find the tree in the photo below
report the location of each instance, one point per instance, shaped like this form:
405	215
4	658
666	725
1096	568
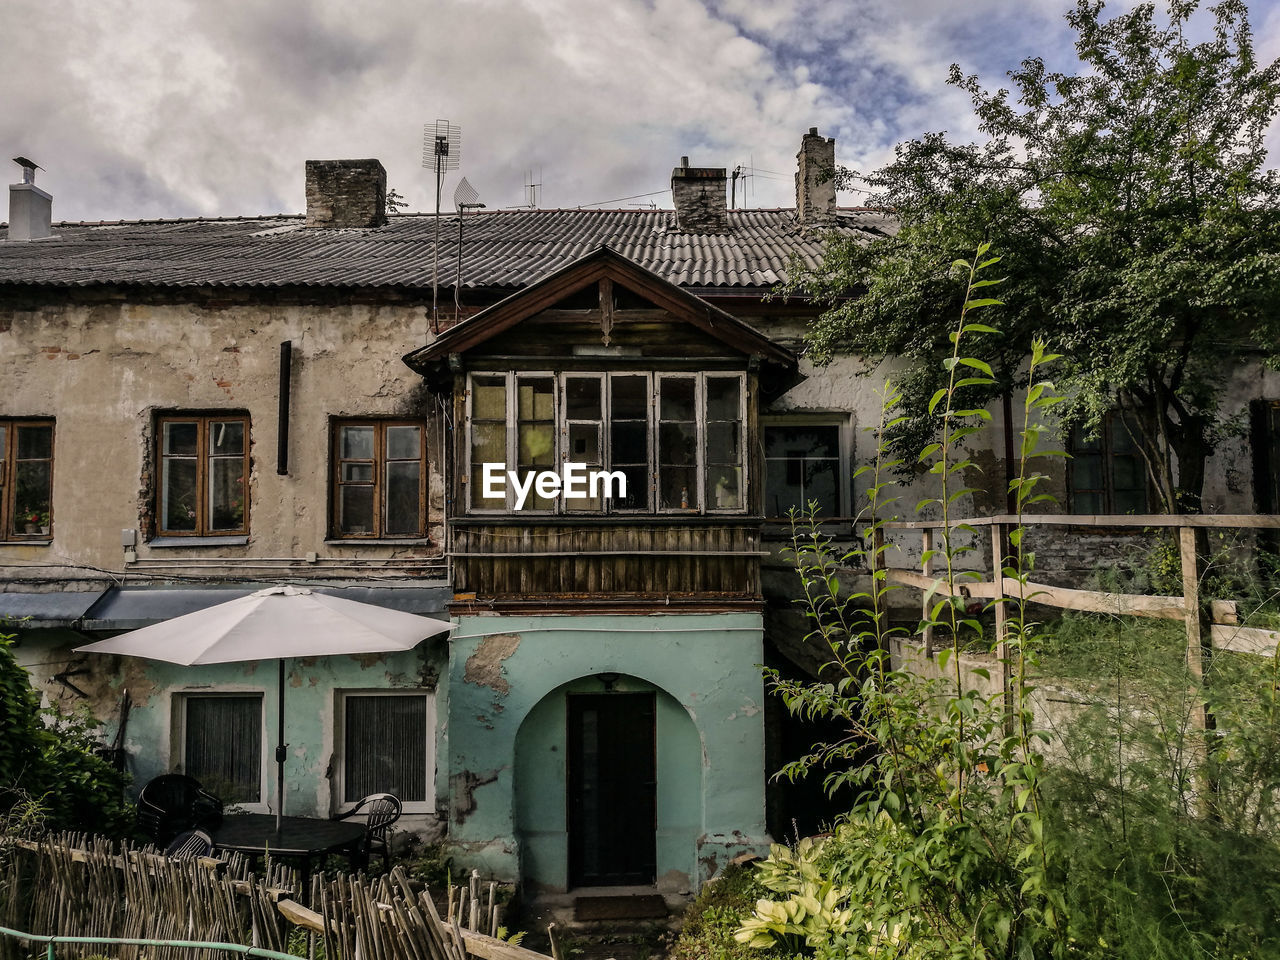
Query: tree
1137	219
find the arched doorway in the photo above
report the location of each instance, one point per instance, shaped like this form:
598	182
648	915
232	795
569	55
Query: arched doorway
608	787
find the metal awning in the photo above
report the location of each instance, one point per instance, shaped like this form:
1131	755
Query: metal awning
128	608
58	609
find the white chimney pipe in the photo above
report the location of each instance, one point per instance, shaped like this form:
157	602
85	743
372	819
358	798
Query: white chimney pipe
30	208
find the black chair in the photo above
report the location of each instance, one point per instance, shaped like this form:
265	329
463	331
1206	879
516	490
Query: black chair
191	844
172	804
379	811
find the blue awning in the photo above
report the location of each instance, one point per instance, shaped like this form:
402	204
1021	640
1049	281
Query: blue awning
59	609
128	608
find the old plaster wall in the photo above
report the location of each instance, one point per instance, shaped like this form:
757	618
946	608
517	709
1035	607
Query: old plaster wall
314	686
105	369
502	667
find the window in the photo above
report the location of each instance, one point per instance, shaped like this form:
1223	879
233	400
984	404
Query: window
388	746
802	464
380	479
26	479
678	439
204	464
1106	472
222	745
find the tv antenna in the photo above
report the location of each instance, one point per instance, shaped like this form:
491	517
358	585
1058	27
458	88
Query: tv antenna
464	198
441	149
532	189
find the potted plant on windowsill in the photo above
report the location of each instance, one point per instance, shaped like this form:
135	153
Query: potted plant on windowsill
36	522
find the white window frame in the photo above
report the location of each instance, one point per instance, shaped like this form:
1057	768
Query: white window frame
340	803
560	456
179	727
843	421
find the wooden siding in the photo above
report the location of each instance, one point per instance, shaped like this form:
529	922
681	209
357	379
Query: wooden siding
649	558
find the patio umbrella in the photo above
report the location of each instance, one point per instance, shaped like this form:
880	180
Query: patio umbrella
275	624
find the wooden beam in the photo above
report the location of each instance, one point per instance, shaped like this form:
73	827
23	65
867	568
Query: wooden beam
1096	601
980	589
1255	521
1244	639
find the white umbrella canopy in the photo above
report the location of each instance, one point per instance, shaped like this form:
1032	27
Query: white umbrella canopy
275	624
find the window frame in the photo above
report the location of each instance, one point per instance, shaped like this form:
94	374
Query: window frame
340	803
843	422
1106	454
380	460
9	527
203	459
512	379
180	724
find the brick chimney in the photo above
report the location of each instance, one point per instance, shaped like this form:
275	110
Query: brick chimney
30	208
346	193
699	196
815	186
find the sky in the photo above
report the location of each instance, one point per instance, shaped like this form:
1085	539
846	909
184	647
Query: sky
140	109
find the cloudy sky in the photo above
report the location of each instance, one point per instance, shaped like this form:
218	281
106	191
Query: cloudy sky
168	108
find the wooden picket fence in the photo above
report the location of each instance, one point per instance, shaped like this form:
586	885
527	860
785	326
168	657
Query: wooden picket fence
78	885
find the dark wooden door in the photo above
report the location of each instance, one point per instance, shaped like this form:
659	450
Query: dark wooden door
612	789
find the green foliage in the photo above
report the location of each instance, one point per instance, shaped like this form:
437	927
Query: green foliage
1137	219
711	922
49	773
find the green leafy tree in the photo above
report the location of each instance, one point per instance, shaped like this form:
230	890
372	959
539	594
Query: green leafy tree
1137	219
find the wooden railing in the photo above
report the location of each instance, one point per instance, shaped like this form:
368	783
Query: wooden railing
1210	623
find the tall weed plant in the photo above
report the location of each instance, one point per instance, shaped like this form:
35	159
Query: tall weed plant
976	832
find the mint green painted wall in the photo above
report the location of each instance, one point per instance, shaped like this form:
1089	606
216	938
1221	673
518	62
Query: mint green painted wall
502	668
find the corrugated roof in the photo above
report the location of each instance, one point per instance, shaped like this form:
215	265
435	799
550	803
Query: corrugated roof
507	248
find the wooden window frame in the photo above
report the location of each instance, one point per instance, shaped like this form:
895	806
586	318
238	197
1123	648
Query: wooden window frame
180	724
203	459
380	459
1106	454
512	379
12	529
341	804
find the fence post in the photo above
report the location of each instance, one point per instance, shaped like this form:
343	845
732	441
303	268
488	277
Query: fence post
1002	619
1199	621
926	568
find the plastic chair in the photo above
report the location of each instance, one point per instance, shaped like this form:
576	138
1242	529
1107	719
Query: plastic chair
380	811
191	844
174	803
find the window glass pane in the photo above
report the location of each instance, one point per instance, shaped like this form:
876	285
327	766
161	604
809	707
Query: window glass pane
178	495
224	746
1131	501
356	443
801	441
582	398
677	443
782	488
723	443
584	443
1086	472
724	487
1087	501
403	502
630	398
637	497
1122	436
537	444
357	473
34	443
32	491
724	398
1082	443
536	398
355	509
385	747
1126	473
226	437
181	439
477	489
489	398
677	488
630	443
822	483
404	443
226	494
488	443
677	398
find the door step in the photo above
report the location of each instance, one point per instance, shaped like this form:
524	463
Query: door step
650	906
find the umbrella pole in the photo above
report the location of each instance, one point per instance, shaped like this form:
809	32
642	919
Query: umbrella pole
281	748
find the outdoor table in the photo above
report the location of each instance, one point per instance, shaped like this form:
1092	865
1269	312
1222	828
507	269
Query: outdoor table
299	838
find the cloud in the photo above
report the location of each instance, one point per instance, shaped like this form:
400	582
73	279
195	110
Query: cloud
144	108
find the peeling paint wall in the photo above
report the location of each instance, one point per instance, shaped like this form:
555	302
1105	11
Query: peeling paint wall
104	370
706	666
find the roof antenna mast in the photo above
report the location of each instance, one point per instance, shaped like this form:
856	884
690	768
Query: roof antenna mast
464	198
441	149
